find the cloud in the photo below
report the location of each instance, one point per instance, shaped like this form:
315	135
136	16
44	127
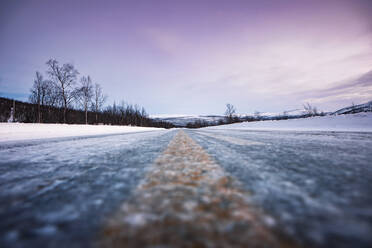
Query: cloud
168	42
363	81
357	89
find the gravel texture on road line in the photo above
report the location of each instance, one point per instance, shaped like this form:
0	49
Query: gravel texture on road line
187	200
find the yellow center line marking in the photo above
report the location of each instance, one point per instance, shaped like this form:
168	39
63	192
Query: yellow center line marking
187	200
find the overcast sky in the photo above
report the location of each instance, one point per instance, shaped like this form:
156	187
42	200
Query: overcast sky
193	57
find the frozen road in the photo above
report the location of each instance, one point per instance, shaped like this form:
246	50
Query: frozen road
316	186
57	193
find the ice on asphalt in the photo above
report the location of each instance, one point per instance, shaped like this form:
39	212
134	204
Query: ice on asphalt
70	184
315	182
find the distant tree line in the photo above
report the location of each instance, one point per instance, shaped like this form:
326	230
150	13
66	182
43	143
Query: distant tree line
28	113
62	98
230	117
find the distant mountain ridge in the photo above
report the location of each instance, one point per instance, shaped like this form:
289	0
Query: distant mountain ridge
183	120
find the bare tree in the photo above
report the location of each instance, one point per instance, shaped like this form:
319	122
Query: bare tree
64	77
98	99
310	110
52	97
85	94
353	107
39	93
230	111
143	115
12	113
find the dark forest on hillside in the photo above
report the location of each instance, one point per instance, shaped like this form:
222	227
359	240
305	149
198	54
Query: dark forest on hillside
112	115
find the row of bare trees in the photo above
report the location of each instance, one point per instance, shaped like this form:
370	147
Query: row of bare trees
311	110
62	90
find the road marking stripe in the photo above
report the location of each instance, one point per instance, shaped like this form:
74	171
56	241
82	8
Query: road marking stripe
187	200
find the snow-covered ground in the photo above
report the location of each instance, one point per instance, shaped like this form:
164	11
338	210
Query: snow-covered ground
361	122
294	112
30	131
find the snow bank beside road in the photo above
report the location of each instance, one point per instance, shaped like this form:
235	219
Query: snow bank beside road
28	131
361	122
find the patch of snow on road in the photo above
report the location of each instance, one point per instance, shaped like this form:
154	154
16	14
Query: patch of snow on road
233	140
361	122
29	131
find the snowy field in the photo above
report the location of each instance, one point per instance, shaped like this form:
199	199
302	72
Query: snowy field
30	131
361	122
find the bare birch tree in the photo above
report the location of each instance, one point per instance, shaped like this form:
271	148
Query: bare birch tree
230	111
98	99
64	77
39	94
85	94
52	97
310	110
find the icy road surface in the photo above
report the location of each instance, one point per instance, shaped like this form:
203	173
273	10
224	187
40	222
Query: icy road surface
57	193
316	185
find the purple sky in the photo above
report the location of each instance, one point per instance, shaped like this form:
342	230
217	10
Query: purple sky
192	57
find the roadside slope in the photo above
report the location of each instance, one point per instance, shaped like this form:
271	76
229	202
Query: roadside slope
361	122
30	131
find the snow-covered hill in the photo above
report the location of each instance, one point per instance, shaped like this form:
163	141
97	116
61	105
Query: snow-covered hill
365	107
360	122
183	120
